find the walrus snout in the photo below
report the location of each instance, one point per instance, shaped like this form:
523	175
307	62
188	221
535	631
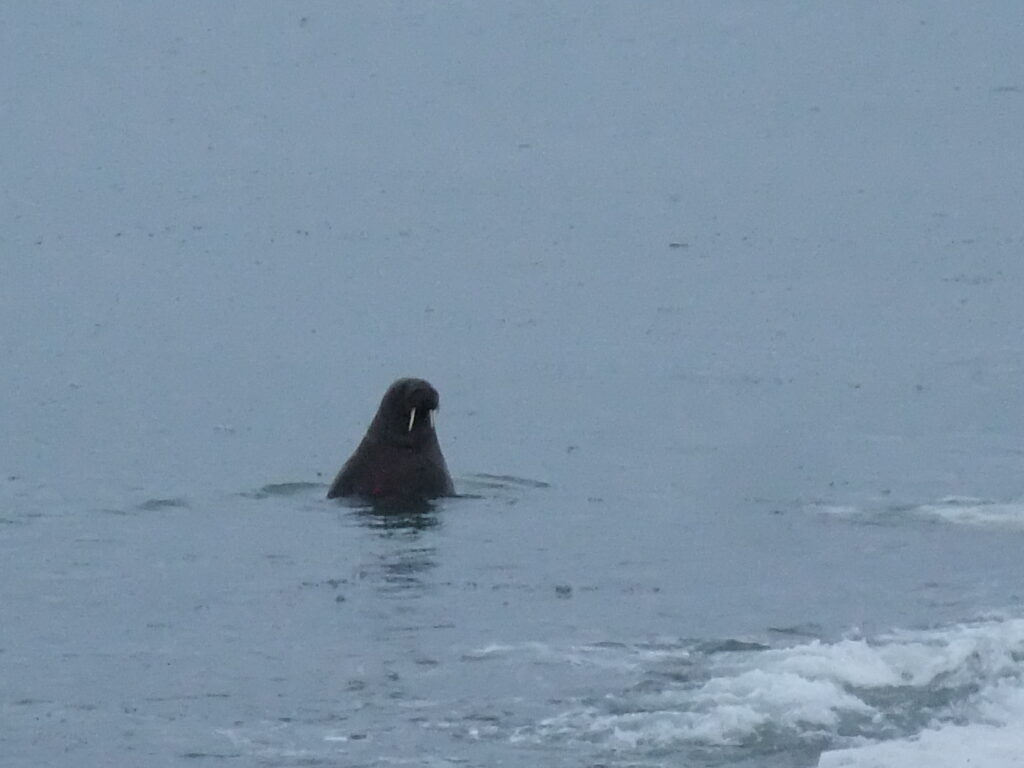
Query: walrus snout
419	401
424	397
420	411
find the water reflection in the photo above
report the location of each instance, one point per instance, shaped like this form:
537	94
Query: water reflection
397	515
400	570
398	556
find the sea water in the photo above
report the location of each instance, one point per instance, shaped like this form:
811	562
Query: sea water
514	628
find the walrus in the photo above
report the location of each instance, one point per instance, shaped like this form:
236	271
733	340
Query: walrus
399	456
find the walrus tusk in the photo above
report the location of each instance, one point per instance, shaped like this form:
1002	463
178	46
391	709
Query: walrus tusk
412	418
430	415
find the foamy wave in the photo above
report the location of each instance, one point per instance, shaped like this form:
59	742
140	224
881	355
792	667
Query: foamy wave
861	698
958	510
949	747
994	739
968	511
732	711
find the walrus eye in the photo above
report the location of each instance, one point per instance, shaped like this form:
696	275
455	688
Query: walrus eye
412	418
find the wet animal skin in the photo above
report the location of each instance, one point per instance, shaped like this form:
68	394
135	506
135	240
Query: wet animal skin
399	456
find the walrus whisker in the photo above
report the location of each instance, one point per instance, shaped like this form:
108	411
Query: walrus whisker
412	418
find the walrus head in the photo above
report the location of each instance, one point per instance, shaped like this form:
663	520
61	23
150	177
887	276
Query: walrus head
406	413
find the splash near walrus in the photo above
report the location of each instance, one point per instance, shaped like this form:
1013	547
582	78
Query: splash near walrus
399	456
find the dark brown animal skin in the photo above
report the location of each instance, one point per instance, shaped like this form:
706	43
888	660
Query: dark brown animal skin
393	461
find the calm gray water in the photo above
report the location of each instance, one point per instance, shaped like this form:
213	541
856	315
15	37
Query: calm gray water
723	301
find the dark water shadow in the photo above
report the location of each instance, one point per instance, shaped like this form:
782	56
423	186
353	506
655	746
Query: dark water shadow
800	631
391	514
283	490
484	485
396	514
729	645
487	481
155	505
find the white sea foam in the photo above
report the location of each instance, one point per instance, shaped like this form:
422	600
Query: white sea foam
946	747
992	736
897	697
957	510
980	512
